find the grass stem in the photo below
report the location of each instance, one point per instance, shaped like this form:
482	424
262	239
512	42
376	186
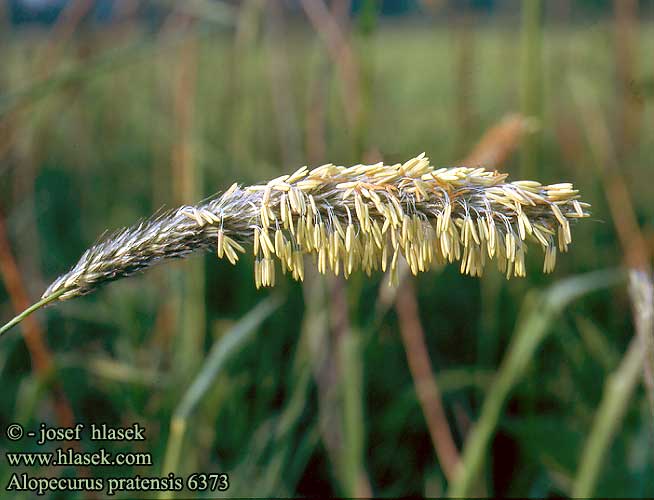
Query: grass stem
429	394
34	307
538	313
214	363
617	394
531	84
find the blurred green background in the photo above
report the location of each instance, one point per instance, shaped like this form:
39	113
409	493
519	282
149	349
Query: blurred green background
536	387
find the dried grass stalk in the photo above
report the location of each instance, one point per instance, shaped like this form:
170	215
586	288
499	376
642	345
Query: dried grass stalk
361	217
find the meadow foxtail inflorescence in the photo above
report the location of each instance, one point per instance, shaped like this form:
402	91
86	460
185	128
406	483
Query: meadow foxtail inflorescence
361	217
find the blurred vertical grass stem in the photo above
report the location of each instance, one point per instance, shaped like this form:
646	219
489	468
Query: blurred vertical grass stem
619	387
531	87
220	353
538	312
352	381
188	178
635	248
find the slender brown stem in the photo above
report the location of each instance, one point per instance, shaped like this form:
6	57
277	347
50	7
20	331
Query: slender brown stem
32	332
279	76
630	104
188	180
38	350
428	392
327	27
621	206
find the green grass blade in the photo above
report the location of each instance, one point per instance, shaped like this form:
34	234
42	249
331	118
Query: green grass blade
538	312
617	392
619	388
353	428
220	352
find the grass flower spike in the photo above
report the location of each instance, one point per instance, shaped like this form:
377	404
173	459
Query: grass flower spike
360	217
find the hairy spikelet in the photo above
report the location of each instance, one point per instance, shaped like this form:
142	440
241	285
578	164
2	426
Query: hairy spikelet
361	217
